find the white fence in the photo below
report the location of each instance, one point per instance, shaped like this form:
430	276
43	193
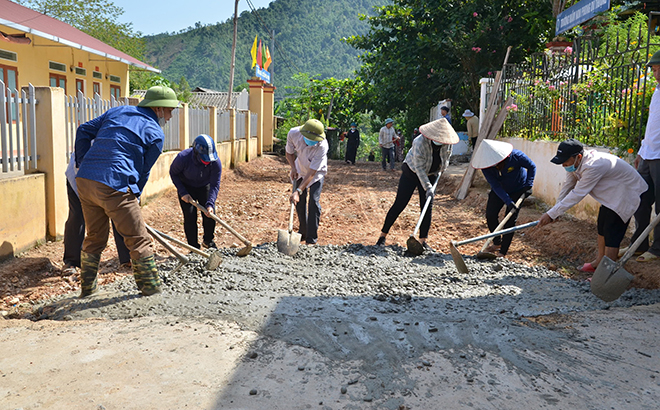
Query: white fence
18	126
199	122
223	126
80	109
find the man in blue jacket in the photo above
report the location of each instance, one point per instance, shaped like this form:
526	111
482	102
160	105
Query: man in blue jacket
196	174
112	173
510	174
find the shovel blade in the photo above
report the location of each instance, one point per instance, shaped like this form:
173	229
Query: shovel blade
458	259
288	242
215	259
610	280
414	246
245	251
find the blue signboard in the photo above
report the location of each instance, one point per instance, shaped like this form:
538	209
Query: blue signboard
581	12
261	73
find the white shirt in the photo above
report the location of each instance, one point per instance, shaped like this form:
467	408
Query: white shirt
307	157
650	148
608	179
385	137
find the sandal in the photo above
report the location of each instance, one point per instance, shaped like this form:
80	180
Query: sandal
492	248
622	251
587	267
647	257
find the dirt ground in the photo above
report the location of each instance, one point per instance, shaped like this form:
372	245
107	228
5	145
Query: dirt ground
355	199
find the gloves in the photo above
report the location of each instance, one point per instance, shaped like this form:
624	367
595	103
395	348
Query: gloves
514	208
430	193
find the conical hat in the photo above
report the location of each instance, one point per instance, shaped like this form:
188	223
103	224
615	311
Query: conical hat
490	153
439	131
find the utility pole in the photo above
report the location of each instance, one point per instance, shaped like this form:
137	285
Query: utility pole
272	47
233	57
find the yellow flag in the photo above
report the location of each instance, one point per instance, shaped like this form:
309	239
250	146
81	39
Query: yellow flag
253	52
268	59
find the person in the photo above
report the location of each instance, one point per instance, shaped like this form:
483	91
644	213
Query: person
307	155
472	127
510	174
196	173
352	144
74	228
386	138
371	157
398	147
127	141
647	164
428	157
609	180
444	111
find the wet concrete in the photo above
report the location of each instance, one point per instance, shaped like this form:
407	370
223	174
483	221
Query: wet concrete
378	319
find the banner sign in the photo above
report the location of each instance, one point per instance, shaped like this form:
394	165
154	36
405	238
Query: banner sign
579	13
261	73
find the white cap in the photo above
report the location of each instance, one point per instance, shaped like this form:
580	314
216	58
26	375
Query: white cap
439	131
490	153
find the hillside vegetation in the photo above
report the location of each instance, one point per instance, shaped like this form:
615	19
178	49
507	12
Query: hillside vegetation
309	32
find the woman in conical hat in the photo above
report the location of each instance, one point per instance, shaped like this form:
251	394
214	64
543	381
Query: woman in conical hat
510	174
428	156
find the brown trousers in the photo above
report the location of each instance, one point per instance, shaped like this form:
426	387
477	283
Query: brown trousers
100	203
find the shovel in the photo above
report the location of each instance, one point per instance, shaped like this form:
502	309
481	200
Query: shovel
214	259
458	258
611	279
488	255
288	242
248	245
182	259
414	246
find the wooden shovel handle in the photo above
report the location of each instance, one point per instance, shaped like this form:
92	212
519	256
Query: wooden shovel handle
167	245
223	223
504	221
426	205
182	244
632	248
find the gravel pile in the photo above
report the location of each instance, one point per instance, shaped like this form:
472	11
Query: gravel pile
381	274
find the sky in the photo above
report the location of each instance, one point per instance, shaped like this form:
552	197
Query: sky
159	16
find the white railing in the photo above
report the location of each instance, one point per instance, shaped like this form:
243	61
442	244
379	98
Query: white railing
199	122
171	131
223	126
18	126
254	117
80	109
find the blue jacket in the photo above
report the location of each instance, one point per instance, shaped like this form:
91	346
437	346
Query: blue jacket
127	143
518	173
188	170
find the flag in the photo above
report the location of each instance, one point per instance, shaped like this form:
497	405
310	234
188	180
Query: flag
268	59
263	56
253	52
259	62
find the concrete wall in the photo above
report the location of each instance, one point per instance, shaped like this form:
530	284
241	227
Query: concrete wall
23	207
240	152
549	177
253	148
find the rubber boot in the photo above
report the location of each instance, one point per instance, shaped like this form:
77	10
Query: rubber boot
89	268
146	275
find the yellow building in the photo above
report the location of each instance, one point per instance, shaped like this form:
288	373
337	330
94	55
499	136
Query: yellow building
43	51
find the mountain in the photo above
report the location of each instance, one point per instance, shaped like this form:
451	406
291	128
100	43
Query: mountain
308	37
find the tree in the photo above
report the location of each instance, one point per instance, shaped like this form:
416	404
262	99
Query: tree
419	52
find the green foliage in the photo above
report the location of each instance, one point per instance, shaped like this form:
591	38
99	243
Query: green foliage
182	90
419	52
309	33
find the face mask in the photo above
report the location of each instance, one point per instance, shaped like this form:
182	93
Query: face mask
310	142
436	142
571	168
162	121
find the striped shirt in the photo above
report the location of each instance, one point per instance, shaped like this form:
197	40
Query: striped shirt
420	159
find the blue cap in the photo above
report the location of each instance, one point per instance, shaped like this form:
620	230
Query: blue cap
389	120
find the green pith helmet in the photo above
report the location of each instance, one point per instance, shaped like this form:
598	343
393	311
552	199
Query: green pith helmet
160	96
313	130
655	59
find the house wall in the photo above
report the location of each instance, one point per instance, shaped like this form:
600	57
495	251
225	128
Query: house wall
33	65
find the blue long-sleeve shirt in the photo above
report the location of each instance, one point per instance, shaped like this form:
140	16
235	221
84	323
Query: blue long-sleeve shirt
187	169
127	143
518	173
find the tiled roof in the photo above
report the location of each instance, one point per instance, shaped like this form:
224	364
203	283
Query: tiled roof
27	20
